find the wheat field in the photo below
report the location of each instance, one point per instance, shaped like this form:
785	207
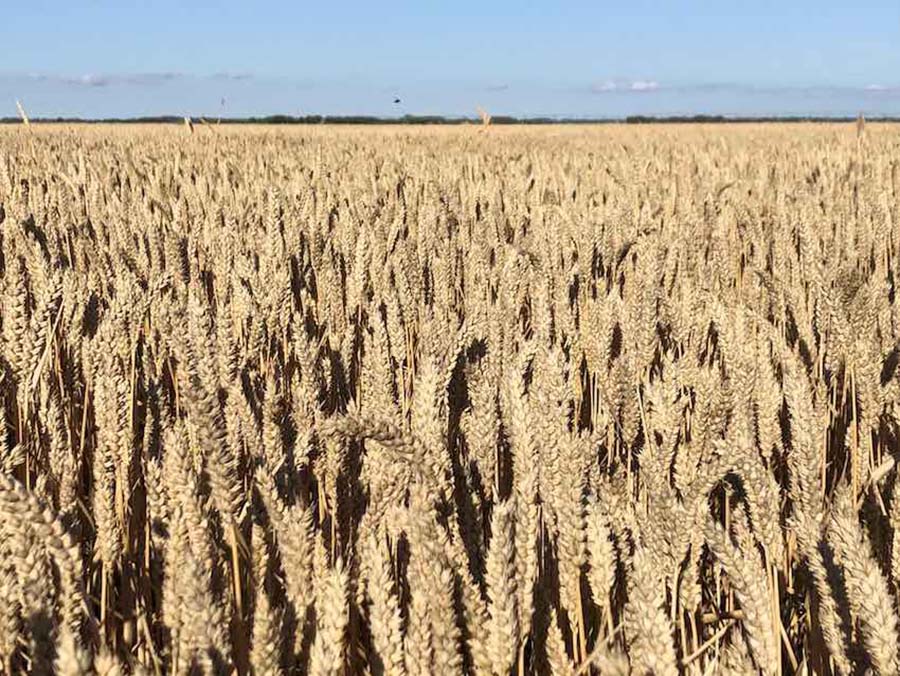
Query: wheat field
395	400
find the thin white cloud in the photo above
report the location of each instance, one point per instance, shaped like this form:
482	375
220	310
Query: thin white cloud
644	85
149	79
882	89
640	86
620	85
88	80
226	75
607	86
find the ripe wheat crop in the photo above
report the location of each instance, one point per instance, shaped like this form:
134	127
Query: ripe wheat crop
543	400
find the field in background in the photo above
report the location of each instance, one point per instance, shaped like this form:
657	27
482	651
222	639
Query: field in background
399	400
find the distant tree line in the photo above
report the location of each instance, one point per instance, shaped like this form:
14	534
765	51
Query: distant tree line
716	119
439	119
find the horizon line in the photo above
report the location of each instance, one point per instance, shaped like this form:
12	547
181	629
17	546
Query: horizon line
282	119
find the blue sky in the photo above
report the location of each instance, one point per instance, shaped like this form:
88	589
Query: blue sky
593	59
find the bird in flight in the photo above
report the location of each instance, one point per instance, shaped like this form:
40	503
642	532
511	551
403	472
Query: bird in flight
396	100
